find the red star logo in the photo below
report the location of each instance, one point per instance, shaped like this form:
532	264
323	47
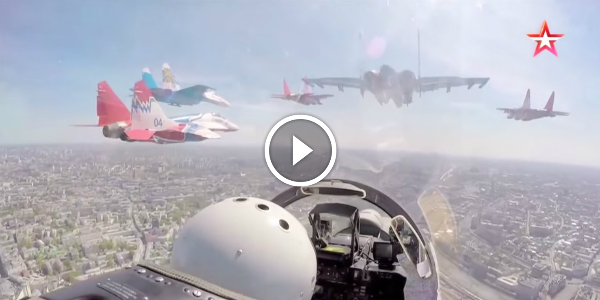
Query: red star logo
545	40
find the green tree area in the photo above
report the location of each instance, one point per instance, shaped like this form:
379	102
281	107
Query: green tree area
122	245
164	221
9	212
71	276
56	241
143	219
25	243
71	224
175	215
39	261
107	245
37	210
111	260
68	264
41	255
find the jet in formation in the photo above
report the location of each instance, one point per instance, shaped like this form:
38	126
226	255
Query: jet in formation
526	113
172	94
387	84
147	121
307	97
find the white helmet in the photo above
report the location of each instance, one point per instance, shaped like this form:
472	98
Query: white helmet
249	246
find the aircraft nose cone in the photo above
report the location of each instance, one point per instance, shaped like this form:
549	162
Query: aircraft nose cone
216	99
223	102
233	127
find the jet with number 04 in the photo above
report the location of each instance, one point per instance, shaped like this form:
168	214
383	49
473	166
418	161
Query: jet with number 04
147	121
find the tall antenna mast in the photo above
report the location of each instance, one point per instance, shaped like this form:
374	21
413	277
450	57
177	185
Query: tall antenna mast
419	59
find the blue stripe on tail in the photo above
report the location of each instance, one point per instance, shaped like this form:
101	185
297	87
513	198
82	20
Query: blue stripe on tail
149	80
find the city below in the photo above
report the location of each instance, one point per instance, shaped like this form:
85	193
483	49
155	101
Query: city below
502	230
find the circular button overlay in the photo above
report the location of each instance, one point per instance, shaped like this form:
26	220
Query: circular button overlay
300	150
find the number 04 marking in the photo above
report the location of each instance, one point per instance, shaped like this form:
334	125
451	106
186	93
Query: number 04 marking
157	122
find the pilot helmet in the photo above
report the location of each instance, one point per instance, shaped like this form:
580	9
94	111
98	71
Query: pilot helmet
249	246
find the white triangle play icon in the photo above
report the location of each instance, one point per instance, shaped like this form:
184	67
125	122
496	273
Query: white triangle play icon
299	150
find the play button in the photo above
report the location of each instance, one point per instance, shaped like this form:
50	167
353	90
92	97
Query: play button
300	150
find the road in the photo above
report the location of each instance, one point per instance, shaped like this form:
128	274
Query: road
443	226
138	228
463	280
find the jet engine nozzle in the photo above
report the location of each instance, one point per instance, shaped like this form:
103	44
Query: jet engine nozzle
386	71
113	131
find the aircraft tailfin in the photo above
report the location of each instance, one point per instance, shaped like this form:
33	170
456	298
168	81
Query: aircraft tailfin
168	80
145	111
527	102
550	104
109	108
306	89
286	88
148	79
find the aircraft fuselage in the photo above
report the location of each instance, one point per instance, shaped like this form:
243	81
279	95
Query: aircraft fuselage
176	137
529	114
167	137
305	99
212	121
387	84
188	97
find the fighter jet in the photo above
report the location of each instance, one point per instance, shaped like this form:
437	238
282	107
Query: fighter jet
526	113
212	121
307	97
387	84
188	96
148	123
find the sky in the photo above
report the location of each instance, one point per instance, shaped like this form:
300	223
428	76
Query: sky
50	64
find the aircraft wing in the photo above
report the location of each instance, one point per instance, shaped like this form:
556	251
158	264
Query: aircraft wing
506	110
319	97
140	134
211	125
428	84
196	129
560	113
339	82
190	95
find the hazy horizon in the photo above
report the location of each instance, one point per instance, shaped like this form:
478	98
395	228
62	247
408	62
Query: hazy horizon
346	153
